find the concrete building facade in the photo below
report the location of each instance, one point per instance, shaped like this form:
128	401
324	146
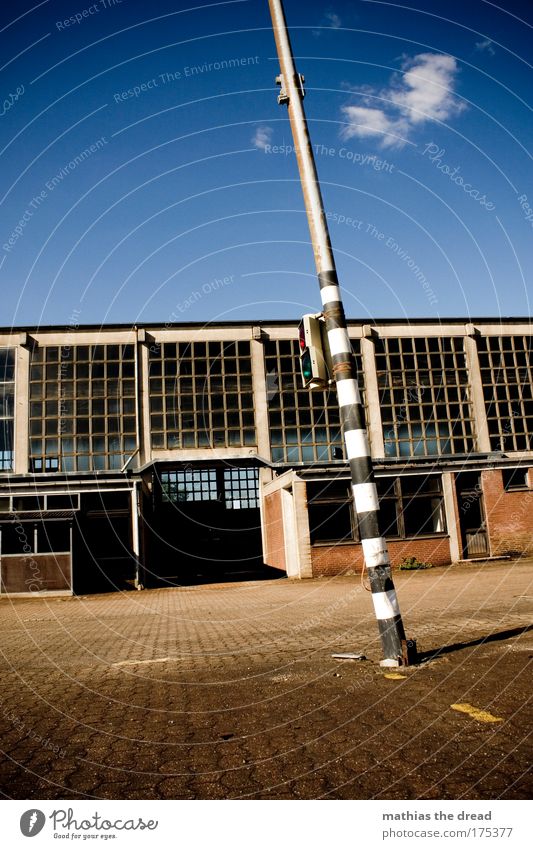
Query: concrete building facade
167	455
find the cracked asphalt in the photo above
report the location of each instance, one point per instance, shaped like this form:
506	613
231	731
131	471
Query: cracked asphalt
230	691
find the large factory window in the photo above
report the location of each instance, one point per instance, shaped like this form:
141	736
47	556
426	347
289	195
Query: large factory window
304	425
201	395
7	406
424	396
506	364
82	407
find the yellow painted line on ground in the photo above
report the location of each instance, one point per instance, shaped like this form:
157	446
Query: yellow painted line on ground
476	713
395	676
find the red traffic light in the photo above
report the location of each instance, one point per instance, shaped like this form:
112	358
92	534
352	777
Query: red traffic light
301	337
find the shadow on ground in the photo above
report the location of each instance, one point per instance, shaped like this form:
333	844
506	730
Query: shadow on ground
424	657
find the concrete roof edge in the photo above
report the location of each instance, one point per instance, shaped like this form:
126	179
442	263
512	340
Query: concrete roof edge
285	322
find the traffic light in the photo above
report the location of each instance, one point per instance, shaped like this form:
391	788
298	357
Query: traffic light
312	359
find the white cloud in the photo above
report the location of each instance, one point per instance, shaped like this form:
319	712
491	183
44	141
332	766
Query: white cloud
421	92
262	137
333	20
425	91
485	46
365	122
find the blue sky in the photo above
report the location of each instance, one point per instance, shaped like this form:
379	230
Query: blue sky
146	171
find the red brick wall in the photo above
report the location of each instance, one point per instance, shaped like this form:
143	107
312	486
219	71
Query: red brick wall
342	559
509	516
274	536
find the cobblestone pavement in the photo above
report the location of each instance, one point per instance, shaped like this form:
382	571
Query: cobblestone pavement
230	691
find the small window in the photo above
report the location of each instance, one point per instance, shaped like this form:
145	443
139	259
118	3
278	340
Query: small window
107	501
17	538
331	514
515	478
53	537
423	516
28	503
7	364
331	522
62	502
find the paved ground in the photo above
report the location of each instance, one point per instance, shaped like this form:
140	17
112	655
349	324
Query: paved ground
230	691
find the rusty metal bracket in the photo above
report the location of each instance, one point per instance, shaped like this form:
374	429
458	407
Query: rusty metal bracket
341	370
283	96
333	313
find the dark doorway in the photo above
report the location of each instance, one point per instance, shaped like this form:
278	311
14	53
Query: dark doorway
206	527
474	537
103	558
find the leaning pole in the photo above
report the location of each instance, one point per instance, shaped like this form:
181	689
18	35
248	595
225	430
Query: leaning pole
375	552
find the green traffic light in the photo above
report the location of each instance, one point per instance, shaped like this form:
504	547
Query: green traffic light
306	365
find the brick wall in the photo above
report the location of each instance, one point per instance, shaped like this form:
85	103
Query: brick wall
509	524
509	516
274	536
345	559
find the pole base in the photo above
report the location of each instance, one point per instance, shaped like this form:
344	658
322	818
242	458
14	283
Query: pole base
408	657
390	662
409	652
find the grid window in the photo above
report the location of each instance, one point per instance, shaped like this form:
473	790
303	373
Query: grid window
304	424
201	395
506	364
82	407
241	488
236	488
189	485
424	396
7	407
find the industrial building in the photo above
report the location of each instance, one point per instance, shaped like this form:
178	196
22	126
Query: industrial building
167	455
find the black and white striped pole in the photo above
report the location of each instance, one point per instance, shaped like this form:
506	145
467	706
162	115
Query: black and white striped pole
364	490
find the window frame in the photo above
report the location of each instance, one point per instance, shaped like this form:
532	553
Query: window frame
83	406
506	370
424	396
303	424
7	464
323	499
399	497
509	474
31	535
74	496
201	395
